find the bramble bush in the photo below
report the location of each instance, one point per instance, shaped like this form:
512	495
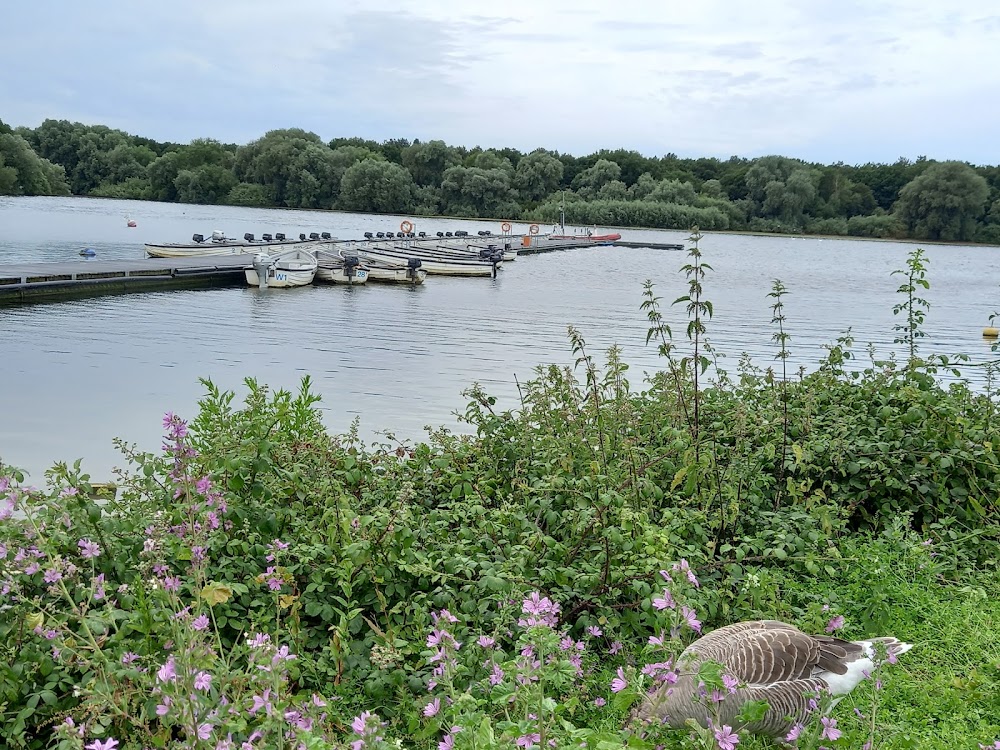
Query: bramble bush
262	583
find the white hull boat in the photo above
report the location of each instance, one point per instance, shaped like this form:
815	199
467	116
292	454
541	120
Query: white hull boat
296	267
219	244
445	262
214	245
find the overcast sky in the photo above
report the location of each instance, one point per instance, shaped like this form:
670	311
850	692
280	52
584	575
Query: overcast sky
823	80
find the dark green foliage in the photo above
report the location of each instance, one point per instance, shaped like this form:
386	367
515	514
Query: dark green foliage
783	494
295	168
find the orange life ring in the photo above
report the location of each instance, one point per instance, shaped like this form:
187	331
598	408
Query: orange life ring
406	227
506	227
533	229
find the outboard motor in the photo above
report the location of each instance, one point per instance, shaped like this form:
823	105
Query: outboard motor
218	236
485	253
487	233
248	237
369	235
440	234
481	233
325	235
410	235
351	263
380	235
301	236
313	236
279	236
412	266
421	234
447	234
267	238
400	235
198	237
261	264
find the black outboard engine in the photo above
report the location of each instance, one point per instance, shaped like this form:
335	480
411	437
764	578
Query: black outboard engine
326	235
380	235
487	233
412	265
485	253
421	234
267	238
279	236
351	263
368	235
400	235
410	234
440	234
198	237
447	234
301	236
248	237
313	236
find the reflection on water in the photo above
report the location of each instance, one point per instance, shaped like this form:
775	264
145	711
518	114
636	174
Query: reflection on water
75	374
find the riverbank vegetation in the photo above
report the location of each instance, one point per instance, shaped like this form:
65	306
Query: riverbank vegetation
293	168
261	583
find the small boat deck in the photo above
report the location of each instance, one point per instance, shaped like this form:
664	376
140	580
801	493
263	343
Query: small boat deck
69	279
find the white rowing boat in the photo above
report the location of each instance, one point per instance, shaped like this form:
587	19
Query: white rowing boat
295	267
340	269
433	260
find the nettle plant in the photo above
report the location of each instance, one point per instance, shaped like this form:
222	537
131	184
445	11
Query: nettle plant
124	606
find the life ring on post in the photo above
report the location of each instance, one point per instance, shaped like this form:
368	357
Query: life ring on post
533	229
506	227
406	227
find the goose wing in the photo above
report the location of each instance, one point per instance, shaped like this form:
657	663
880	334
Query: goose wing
766	652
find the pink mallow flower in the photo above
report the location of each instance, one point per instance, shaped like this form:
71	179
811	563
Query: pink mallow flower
726	738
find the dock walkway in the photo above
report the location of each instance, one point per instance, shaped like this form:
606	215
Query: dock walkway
29	282
70	279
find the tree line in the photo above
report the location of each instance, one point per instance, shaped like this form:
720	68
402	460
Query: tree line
921	199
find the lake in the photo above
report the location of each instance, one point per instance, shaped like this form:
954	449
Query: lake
76	374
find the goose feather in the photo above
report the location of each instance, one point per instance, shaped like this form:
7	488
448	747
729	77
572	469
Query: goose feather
774	662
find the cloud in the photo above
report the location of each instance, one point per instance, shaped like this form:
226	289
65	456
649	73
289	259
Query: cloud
830	79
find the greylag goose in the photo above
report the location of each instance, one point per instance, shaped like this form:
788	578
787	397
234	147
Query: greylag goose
773	662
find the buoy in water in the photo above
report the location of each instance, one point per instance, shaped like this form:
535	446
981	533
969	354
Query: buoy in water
130	222
88	252
991	333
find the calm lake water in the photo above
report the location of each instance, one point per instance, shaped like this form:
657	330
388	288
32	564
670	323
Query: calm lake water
76	374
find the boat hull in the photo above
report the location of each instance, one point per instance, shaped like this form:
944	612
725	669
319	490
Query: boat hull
290	269
335	275
206	249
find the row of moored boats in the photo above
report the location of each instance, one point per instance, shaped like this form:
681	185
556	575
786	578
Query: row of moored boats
401	258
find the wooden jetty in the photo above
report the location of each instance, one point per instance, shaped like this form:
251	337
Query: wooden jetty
38	282
76	278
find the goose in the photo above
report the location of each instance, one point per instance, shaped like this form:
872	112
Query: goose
774	662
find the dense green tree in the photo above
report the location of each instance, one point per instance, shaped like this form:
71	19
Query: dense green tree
642	187
782	189
206	184
294	165
538	175
592	179
944	203
471	191
673	191
427	162
886	180
616	190
23	172
490	159
377	187
248	194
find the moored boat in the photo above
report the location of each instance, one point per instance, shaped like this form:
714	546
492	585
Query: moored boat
340	269
215	244
435	260
295	267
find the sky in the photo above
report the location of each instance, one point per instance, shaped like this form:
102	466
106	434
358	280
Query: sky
828	81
